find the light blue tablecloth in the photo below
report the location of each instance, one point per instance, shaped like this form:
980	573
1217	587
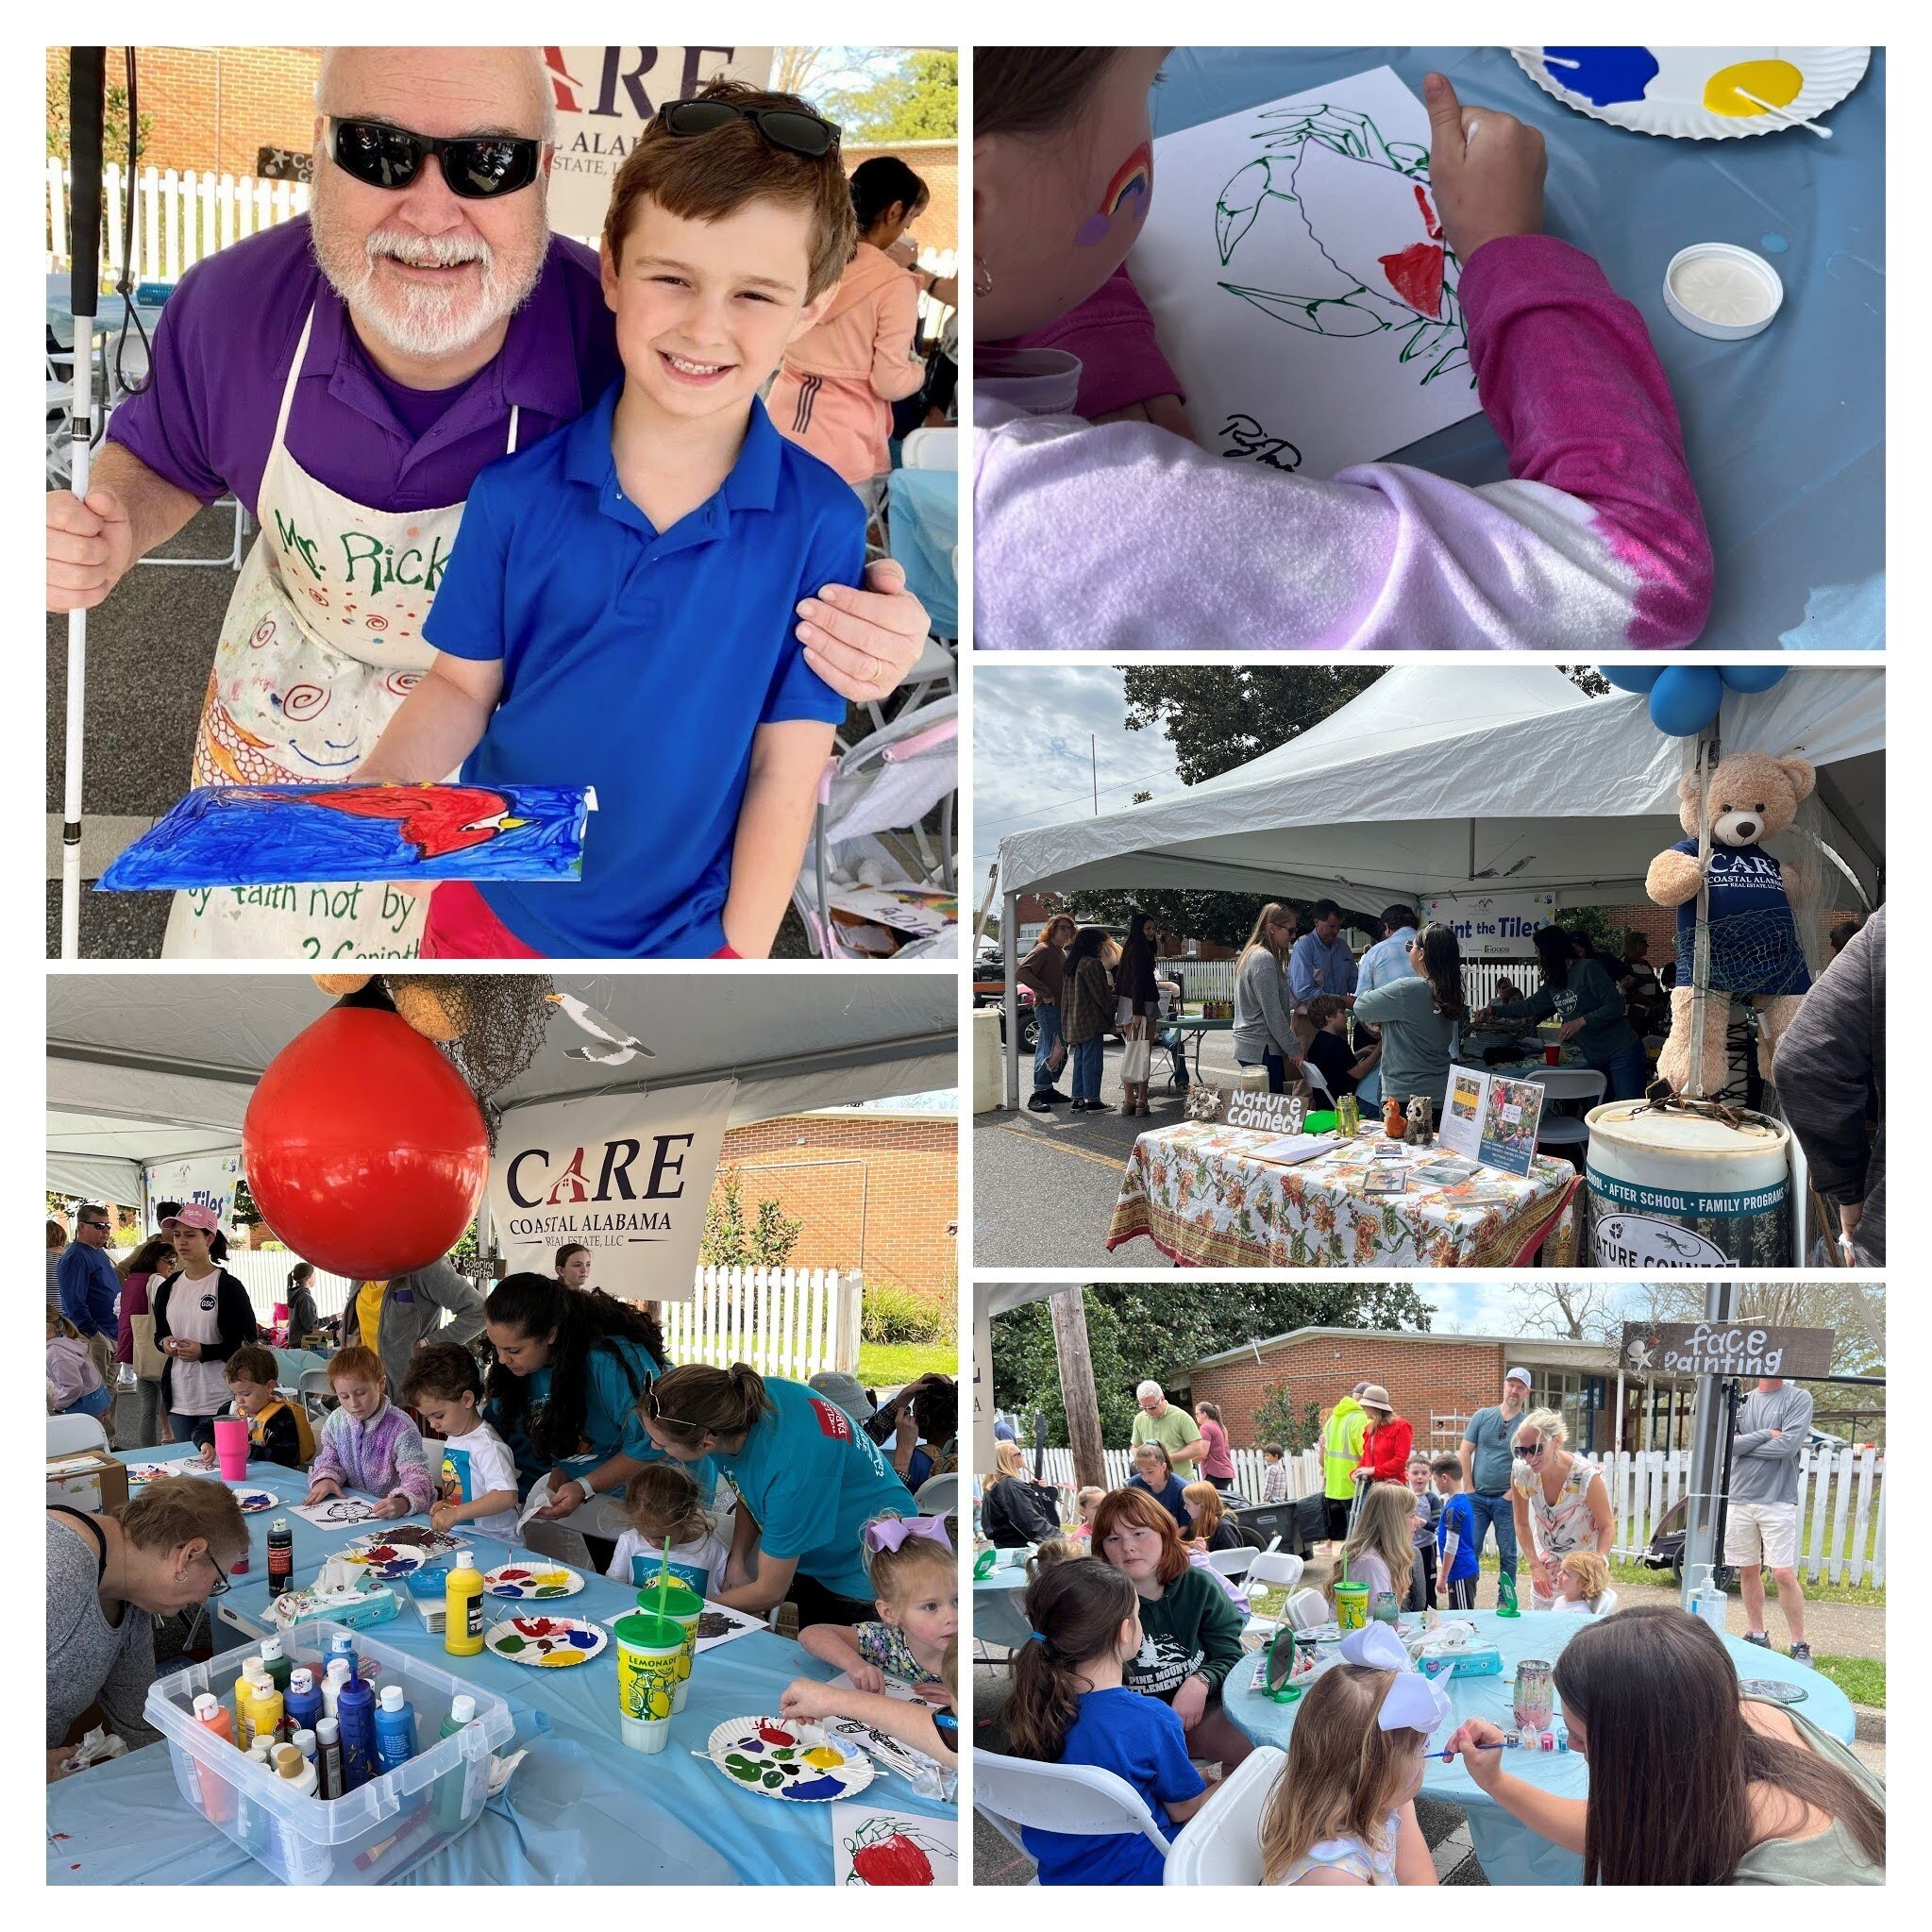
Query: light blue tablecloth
1785	431
581	1808
923	519
1510	1852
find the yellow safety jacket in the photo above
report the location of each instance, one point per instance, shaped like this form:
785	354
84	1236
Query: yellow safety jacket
1341	1448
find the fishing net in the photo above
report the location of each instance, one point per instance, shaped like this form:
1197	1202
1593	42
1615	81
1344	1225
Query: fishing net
498	1020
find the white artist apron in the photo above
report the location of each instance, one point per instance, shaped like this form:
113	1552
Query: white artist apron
196	1389
322	640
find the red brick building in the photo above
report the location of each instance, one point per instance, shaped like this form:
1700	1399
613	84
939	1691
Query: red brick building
1436	1382
876	1191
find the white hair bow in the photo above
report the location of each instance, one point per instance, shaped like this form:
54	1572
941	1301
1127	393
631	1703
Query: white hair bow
1414	1702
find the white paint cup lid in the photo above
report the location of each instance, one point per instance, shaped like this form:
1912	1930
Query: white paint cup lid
1722	251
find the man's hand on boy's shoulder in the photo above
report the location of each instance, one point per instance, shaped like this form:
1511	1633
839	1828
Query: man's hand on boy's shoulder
863	642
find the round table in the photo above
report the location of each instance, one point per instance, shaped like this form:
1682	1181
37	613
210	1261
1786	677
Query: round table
1508	1851
996	1613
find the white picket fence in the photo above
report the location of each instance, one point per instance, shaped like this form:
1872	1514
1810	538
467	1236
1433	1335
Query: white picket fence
178	217
1303	1467
790	1322
1841	1507
1214	979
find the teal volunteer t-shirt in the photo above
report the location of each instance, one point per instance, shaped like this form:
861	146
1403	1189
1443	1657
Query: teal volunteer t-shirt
812	1479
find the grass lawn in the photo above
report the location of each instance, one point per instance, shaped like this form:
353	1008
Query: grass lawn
891	1365
1863	1679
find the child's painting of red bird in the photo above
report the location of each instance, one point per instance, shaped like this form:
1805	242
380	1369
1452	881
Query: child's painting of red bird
436	819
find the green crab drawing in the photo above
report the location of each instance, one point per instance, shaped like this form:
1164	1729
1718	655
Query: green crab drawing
1398	275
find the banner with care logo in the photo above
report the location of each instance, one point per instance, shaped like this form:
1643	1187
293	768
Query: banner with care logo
628	1175
1493	925
206	1178
604	98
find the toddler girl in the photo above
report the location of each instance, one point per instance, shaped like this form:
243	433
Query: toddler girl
1343	1809
670	1524
1071	1706
368	1443
1088	1501
74	1384
914	1579
1124	533
1585	1579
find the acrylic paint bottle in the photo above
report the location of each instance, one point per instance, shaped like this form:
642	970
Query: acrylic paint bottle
447	1797
281	1558
217	1789
269	1713
342	1643
277	1666
340	1671
304	1861
463	1607
302	1700
243	1691
290	1764
252	1823
304	1741
356	1712
328	1757
395	1729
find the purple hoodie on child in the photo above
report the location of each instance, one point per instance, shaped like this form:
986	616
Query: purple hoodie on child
384	1455
1097	537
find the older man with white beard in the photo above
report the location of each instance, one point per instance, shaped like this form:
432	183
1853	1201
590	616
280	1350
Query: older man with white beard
348	375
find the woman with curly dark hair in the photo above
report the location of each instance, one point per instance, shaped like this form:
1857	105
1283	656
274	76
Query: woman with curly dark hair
567	1367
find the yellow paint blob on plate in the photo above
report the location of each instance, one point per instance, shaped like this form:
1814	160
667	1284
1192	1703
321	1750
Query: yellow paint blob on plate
823	1757
558	1660
1776	81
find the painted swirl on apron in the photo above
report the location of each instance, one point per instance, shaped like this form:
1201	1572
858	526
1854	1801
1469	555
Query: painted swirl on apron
322	640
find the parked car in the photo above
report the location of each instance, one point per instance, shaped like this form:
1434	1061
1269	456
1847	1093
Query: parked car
989	989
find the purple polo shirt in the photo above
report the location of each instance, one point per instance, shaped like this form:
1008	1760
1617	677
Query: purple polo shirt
226	337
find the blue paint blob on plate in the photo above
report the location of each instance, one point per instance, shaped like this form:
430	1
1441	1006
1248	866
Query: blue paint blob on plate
1604	75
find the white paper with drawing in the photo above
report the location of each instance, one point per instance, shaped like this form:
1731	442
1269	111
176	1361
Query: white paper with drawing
1298	281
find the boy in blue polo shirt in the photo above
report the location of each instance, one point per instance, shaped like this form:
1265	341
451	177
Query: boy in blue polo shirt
619	607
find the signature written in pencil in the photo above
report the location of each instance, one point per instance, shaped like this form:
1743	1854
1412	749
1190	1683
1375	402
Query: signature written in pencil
1248	439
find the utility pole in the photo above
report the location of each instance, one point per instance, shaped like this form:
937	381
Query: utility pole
1077	1395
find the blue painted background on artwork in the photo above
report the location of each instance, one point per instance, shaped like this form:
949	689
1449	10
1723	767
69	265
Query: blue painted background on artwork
293	834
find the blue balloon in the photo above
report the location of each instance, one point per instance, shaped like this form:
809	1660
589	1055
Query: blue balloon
1685	699
1637	678
1750	677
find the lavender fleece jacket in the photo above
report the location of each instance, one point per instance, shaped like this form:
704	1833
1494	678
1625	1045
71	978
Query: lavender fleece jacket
1122	535
384	1456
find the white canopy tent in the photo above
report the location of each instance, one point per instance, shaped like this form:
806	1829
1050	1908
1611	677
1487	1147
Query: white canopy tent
141	1067
1445	778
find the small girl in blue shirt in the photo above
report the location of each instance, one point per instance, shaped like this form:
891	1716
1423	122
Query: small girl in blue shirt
1071	1706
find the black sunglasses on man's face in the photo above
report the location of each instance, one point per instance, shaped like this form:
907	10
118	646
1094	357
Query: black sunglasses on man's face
476	167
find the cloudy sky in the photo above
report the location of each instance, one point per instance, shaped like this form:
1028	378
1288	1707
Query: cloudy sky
1037	732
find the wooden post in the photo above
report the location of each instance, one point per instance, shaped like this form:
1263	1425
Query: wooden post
1077	1387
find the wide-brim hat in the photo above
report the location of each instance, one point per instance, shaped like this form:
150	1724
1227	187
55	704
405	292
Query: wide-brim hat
1376	1397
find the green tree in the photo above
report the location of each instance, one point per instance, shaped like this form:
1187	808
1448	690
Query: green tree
765	1240
1136	1331
1277	1419
918	99
113	121
1217	716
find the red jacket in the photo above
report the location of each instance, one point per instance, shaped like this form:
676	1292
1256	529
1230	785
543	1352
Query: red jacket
1386	1451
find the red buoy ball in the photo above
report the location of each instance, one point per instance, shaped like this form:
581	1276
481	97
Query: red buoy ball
363	1147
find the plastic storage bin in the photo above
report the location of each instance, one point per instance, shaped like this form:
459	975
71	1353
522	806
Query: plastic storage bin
373	1832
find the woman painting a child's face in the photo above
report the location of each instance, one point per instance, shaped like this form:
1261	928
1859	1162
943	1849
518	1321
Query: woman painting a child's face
1056	209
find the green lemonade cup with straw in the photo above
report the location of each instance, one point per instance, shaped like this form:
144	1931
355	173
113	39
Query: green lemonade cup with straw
1352	1606
669	1599
649	1649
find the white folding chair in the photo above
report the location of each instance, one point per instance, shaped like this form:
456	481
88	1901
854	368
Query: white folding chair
1233	1563
71	1435
1077	1799
937	1495
1605	1603
316	1392
930	449
1567	1084
1221	1844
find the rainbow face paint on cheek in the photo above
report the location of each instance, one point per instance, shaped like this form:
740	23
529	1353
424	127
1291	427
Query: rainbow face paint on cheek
1126	196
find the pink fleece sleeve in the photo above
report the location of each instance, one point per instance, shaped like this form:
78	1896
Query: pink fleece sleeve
895	375
1113	334
1566	371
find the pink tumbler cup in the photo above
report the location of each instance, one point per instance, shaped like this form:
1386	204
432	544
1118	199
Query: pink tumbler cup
231	1447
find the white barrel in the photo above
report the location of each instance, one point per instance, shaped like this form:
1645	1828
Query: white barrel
1670	1189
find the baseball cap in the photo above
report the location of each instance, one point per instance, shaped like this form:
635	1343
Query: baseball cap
1521	1375
194	1216
846	1392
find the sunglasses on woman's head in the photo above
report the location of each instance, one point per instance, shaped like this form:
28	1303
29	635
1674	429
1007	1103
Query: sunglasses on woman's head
797	131
476	167
657	1415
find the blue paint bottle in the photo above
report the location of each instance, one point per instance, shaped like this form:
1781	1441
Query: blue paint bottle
355	1710
302	1700
395	1729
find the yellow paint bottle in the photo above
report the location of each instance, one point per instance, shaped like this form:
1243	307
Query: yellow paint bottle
463	1607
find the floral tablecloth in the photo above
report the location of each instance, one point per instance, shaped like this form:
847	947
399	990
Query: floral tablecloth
1193	1190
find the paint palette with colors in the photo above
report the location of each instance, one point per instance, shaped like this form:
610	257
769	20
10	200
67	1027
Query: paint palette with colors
252	1501
381	1558
1697	93
802	1764
139	1473
406	1536
518	1580
547	1642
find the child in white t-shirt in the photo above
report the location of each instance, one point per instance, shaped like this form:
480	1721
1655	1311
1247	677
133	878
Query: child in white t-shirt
670	1528
476	1472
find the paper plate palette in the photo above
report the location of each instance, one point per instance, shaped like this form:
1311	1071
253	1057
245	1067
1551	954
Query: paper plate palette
802	1764
406	1536
252	1501
1773	1691
139	1473
383	1559
547	1642
1687	93
541	1580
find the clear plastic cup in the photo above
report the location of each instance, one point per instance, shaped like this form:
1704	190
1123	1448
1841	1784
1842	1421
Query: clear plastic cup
649	1649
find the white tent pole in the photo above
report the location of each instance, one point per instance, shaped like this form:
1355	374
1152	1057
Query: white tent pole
1009	948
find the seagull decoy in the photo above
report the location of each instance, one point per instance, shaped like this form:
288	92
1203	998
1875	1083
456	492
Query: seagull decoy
615	1046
